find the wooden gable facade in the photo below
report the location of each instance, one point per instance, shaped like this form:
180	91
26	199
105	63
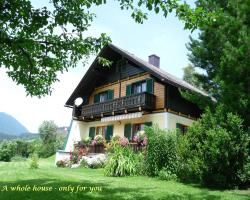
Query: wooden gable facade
124	87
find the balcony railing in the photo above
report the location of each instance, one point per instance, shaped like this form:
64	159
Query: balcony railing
143	101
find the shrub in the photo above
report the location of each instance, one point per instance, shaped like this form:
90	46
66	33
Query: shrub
7	150
114	141
74	157
161	151
34	161
123	162
216	150
83	163
61	163
5	155
46	150
164	174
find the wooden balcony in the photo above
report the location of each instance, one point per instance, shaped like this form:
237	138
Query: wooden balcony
133	103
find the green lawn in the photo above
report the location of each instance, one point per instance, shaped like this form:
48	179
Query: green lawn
142	188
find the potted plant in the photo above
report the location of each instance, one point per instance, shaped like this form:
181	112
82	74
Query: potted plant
98	144
86	140
140	138
123	141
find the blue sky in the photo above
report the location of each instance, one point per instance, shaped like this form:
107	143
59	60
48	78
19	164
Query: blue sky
162	36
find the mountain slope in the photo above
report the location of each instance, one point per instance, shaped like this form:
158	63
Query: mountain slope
10	126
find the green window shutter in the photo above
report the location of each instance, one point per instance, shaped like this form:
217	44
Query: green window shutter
127	131
97	98
128	90
110	94
109	132
92	132
148	123
150	85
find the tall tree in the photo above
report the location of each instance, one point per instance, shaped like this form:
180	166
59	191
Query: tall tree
36	43
47	131
48	135
222	50
190	75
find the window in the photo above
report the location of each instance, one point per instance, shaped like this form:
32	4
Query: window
101	130
183	128
139	87
130	130
105	131
104	96
136	128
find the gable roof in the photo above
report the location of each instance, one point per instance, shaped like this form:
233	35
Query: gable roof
155	71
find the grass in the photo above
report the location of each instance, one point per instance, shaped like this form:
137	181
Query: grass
141	188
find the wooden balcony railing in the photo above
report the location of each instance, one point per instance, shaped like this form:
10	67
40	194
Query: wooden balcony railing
144	101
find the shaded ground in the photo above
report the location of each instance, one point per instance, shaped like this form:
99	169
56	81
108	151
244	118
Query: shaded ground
141	188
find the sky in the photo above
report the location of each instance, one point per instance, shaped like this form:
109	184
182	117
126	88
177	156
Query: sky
164	37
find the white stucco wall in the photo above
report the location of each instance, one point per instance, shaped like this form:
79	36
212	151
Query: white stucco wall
77	128
158	118
62	155
80	130
172	119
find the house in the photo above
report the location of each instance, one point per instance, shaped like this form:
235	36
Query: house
123	98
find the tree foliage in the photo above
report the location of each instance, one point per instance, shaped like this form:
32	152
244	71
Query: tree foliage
223	52
37	43
47	132
216	150
190	75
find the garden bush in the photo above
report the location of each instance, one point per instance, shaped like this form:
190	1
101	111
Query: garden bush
161	151
164	174
5	155
7	150
62	163
123	162
83	163
216	150
20	148
74	156
34	161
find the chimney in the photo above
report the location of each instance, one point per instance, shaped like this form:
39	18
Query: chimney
154	60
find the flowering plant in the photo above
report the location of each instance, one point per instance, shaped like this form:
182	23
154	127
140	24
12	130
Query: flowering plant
87	140
140	138
145	141
123	141
98	140
115	138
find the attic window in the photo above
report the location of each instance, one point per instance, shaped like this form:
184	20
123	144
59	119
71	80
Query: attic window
139	87
104	96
